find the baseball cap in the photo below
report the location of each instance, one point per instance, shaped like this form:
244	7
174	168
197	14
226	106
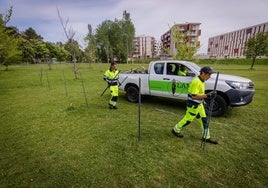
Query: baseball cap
207	70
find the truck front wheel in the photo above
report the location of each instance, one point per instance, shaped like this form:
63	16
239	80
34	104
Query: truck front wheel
219	106
132	94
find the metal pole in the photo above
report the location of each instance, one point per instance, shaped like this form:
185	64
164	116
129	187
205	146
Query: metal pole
41	77
48	81
203	143
139	111
84	91
64	80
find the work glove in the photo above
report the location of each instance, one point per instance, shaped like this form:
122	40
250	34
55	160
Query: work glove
211	94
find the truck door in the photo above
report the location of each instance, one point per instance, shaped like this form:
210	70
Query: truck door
178	77
156	79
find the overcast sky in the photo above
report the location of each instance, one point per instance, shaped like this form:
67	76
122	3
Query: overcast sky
150	17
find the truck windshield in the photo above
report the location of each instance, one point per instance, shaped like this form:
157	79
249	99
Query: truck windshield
194	66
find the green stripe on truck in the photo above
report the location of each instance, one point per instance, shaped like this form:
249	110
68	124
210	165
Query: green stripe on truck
164	86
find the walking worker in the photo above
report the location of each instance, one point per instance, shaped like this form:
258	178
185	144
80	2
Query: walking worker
195	107
112	78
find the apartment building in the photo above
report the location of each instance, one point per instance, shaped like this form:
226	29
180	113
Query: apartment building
145	47
232	44
192	32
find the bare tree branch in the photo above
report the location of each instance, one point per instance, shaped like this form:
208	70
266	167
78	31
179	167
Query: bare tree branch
69	33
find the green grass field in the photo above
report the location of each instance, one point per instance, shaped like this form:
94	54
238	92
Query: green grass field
53	134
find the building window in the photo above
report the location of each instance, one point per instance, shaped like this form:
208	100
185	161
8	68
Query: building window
249	30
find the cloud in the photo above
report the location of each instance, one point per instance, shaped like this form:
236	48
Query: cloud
150	17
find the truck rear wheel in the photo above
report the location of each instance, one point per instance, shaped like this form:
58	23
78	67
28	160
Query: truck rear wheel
132	94
219	106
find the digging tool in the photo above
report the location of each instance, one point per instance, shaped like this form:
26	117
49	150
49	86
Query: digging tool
109	84
123	80
203	143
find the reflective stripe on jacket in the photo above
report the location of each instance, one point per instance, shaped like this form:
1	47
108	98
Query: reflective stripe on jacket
111	76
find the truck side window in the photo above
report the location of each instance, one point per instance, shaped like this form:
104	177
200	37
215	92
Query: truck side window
171	67
183	70
159	68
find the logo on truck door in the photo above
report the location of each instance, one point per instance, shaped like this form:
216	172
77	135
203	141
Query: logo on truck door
173	87
176	87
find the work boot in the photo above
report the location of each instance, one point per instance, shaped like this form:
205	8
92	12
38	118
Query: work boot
177	134
111	106
209	141
115	107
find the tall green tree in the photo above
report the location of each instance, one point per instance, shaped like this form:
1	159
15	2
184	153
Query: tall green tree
62	54
9	49
185	47
5	18
28	50
114	39
30	34
117	42
128	33
75	52
91	49
40	50
103	41
256	46
9	43
55	51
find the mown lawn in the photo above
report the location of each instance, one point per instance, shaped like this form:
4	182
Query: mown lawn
53	134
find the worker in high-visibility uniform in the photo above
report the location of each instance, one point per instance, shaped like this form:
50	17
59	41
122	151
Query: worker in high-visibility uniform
111	77
182	71
195	107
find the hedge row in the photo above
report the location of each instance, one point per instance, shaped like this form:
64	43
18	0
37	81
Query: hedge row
259	61
262	61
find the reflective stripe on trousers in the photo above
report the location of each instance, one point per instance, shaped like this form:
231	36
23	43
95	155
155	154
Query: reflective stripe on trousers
194	111
114	95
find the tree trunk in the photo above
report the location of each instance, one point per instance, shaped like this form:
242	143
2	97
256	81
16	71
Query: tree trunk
75	70
6	65
253	62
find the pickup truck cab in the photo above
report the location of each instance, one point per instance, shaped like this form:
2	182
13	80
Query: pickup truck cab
162	80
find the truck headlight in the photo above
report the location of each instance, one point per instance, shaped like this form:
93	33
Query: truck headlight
239	85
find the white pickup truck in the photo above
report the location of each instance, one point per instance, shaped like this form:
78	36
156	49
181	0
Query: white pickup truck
162	80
